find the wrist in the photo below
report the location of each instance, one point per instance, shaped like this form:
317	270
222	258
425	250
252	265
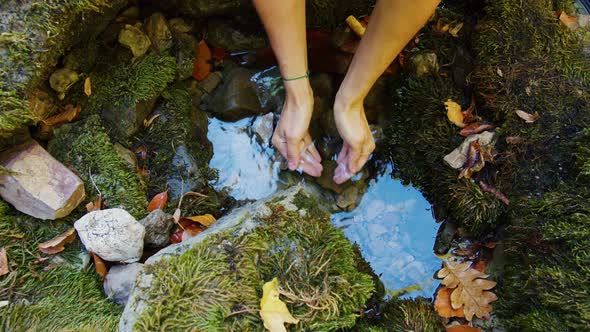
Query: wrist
299	93
348	102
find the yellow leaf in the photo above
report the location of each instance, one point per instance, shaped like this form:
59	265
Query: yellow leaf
454	113
87	87
455	30
355	25
205	220
273	311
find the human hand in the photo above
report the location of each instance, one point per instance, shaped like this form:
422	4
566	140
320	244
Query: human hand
291	136
358	142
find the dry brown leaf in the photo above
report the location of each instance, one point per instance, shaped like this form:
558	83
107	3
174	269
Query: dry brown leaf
202	65
57	244
99	265
205	220
148	122
470	289
158	202
176	215
462	328
4	269
527	117
87	87
69	114
440	28
454	31
475	128
499	72
442	304
514	140
94	205
569	22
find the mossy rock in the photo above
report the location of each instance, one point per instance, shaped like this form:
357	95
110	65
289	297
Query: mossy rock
213	282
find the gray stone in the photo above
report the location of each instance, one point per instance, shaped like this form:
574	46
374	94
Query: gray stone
456	159
263	128
236	98
134	39
126	120
211	82
240	221
112	234
39	185
119	281
222	33
62	79
158	32
182	176
158	225
128	156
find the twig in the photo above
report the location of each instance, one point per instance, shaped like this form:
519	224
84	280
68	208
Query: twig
242	312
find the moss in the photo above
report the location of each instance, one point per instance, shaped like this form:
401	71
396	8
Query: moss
86	147
402	315
224	274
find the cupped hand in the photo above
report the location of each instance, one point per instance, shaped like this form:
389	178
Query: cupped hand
358	142
291	137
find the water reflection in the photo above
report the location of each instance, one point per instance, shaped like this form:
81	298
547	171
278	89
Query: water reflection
396	231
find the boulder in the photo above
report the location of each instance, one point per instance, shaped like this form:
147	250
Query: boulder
39	185
134	39
119	281
211	82
112	234
158	32
126	120
158	225
236	98
222	33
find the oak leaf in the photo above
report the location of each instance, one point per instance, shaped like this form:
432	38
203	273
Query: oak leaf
4	269
158	202
57	244
442	304
205	220
273	311
470	289
202	65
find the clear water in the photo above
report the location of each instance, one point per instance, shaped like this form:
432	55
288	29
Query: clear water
392	224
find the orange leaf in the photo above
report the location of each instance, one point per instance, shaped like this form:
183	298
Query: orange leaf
475	128
158	202
205	220
202	64
191	230
87	86
462	328
3	262
57	244
94	205
68	115
570	22
99	266
442	304
480	266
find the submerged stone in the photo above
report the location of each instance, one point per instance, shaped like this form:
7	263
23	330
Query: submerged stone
112	234
39	185
222	270
119	281
236	98
134	39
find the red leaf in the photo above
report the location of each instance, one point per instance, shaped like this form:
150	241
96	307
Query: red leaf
202	65
475	128
462	328
176	237
191	231
158	202
218	53
57	244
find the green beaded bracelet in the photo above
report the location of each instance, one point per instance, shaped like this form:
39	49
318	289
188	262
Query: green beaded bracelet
296	78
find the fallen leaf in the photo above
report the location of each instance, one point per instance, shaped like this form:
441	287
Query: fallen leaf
480	266
4	269
273	311
468	116
148	122
527	117
158	202
499	72
142	171
141	150
454	31
176	237
87	87
99	265
476	128
514	140
202	65
470	289
442	304
454	113
191	230
355	25
219	54
440	28
569	22
176	215
462	328
205	220
69	114
488	188
475	161
94	205
57	244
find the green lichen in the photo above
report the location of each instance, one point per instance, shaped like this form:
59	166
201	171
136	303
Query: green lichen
217	285
86	147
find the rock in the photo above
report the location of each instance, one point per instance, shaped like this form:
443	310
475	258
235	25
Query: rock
263	128
62	79
323	101
236	98
182	178
349	198
82	58
425	63
211	82
40	186
119	281
128	156
269	88
158	32
456	159
125	121
378	101
177	24
204	8
134	39
112	234
158	225
223	34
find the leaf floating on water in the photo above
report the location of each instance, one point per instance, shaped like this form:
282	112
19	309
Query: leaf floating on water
158	202
470	289
99	265
462	328
57	244
454	31
442	304
488	188
454	113
273	311
202	65
527	117
87	87
475	128
205	220
4	269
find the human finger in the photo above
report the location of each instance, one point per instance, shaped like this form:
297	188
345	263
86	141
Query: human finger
341	174
357	164
312	168
343	154
310	146
294	148
280	144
